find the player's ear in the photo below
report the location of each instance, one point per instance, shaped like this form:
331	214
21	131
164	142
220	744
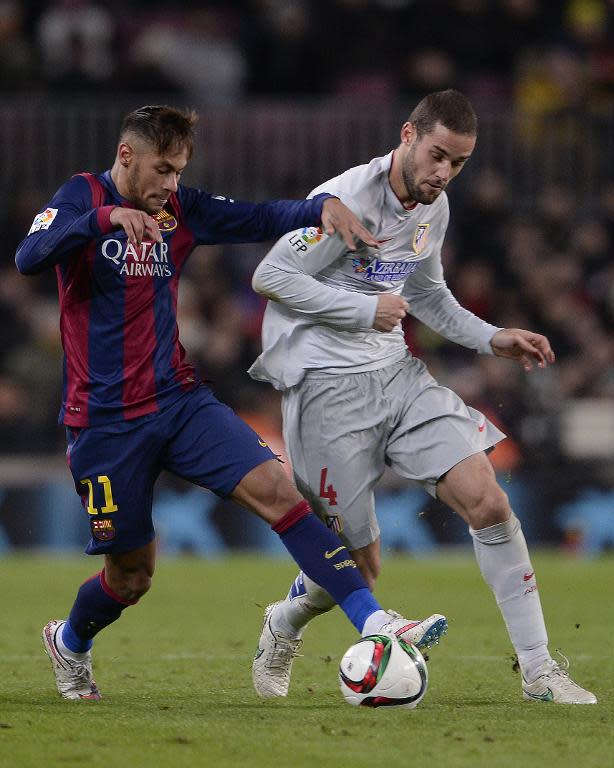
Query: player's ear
408	133
125	153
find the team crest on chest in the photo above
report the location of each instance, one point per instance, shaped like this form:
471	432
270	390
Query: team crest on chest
166	222
420	238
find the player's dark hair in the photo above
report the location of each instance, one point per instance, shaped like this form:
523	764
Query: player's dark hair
450	108
163	127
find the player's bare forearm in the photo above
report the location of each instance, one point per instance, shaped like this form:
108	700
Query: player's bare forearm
525	346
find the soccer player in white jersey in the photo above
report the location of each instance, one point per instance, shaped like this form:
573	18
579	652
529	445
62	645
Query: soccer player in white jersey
354	398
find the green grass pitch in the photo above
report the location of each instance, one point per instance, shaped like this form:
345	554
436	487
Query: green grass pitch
175	673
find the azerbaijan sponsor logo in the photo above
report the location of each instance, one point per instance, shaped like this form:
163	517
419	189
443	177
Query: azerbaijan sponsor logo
384	271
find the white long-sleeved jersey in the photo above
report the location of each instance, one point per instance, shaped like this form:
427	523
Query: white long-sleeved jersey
323	297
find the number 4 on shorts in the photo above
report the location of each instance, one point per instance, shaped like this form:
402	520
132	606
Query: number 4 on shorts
327	491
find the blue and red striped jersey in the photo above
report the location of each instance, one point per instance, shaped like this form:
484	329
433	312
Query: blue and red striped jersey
118	303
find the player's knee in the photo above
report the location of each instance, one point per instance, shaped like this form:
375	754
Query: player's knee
268	491
136	586
276	500
139	586
130	586
282	497
489	508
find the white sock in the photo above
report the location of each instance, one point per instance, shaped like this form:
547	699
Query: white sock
503	557
305	600
375	622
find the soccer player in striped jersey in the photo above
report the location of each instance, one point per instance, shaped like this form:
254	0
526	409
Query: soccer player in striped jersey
133	405
354	398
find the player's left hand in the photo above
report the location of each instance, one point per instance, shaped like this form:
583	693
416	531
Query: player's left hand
524	346
337	217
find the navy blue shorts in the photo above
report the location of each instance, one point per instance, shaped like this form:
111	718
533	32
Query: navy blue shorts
116	465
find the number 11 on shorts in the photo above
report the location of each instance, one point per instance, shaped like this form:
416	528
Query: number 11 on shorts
327	491
109	504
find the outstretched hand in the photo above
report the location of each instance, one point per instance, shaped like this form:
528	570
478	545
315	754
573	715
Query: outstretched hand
525	346
138	225
337	217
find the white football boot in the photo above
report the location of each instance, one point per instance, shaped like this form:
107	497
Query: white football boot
73	674
272	665
423	634
554	684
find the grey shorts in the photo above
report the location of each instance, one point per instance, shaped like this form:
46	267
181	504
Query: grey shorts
341	430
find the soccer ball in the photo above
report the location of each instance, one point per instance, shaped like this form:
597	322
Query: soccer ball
383	671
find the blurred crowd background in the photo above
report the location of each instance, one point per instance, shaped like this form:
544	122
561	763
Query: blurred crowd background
291	93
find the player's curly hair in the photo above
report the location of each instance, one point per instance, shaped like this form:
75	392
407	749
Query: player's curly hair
162	126
450	108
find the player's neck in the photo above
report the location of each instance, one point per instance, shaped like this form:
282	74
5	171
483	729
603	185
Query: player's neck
400	192
395	178
118	178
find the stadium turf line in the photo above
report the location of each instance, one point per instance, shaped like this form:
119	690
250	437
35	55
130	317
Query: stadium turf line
175	673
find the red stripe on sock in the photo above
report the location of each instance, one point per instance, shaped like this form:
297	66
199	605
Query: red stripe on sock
108	591
301	510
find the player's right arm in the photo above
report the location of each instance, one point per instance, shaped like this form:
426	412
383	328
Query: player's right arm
286	276
64	226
